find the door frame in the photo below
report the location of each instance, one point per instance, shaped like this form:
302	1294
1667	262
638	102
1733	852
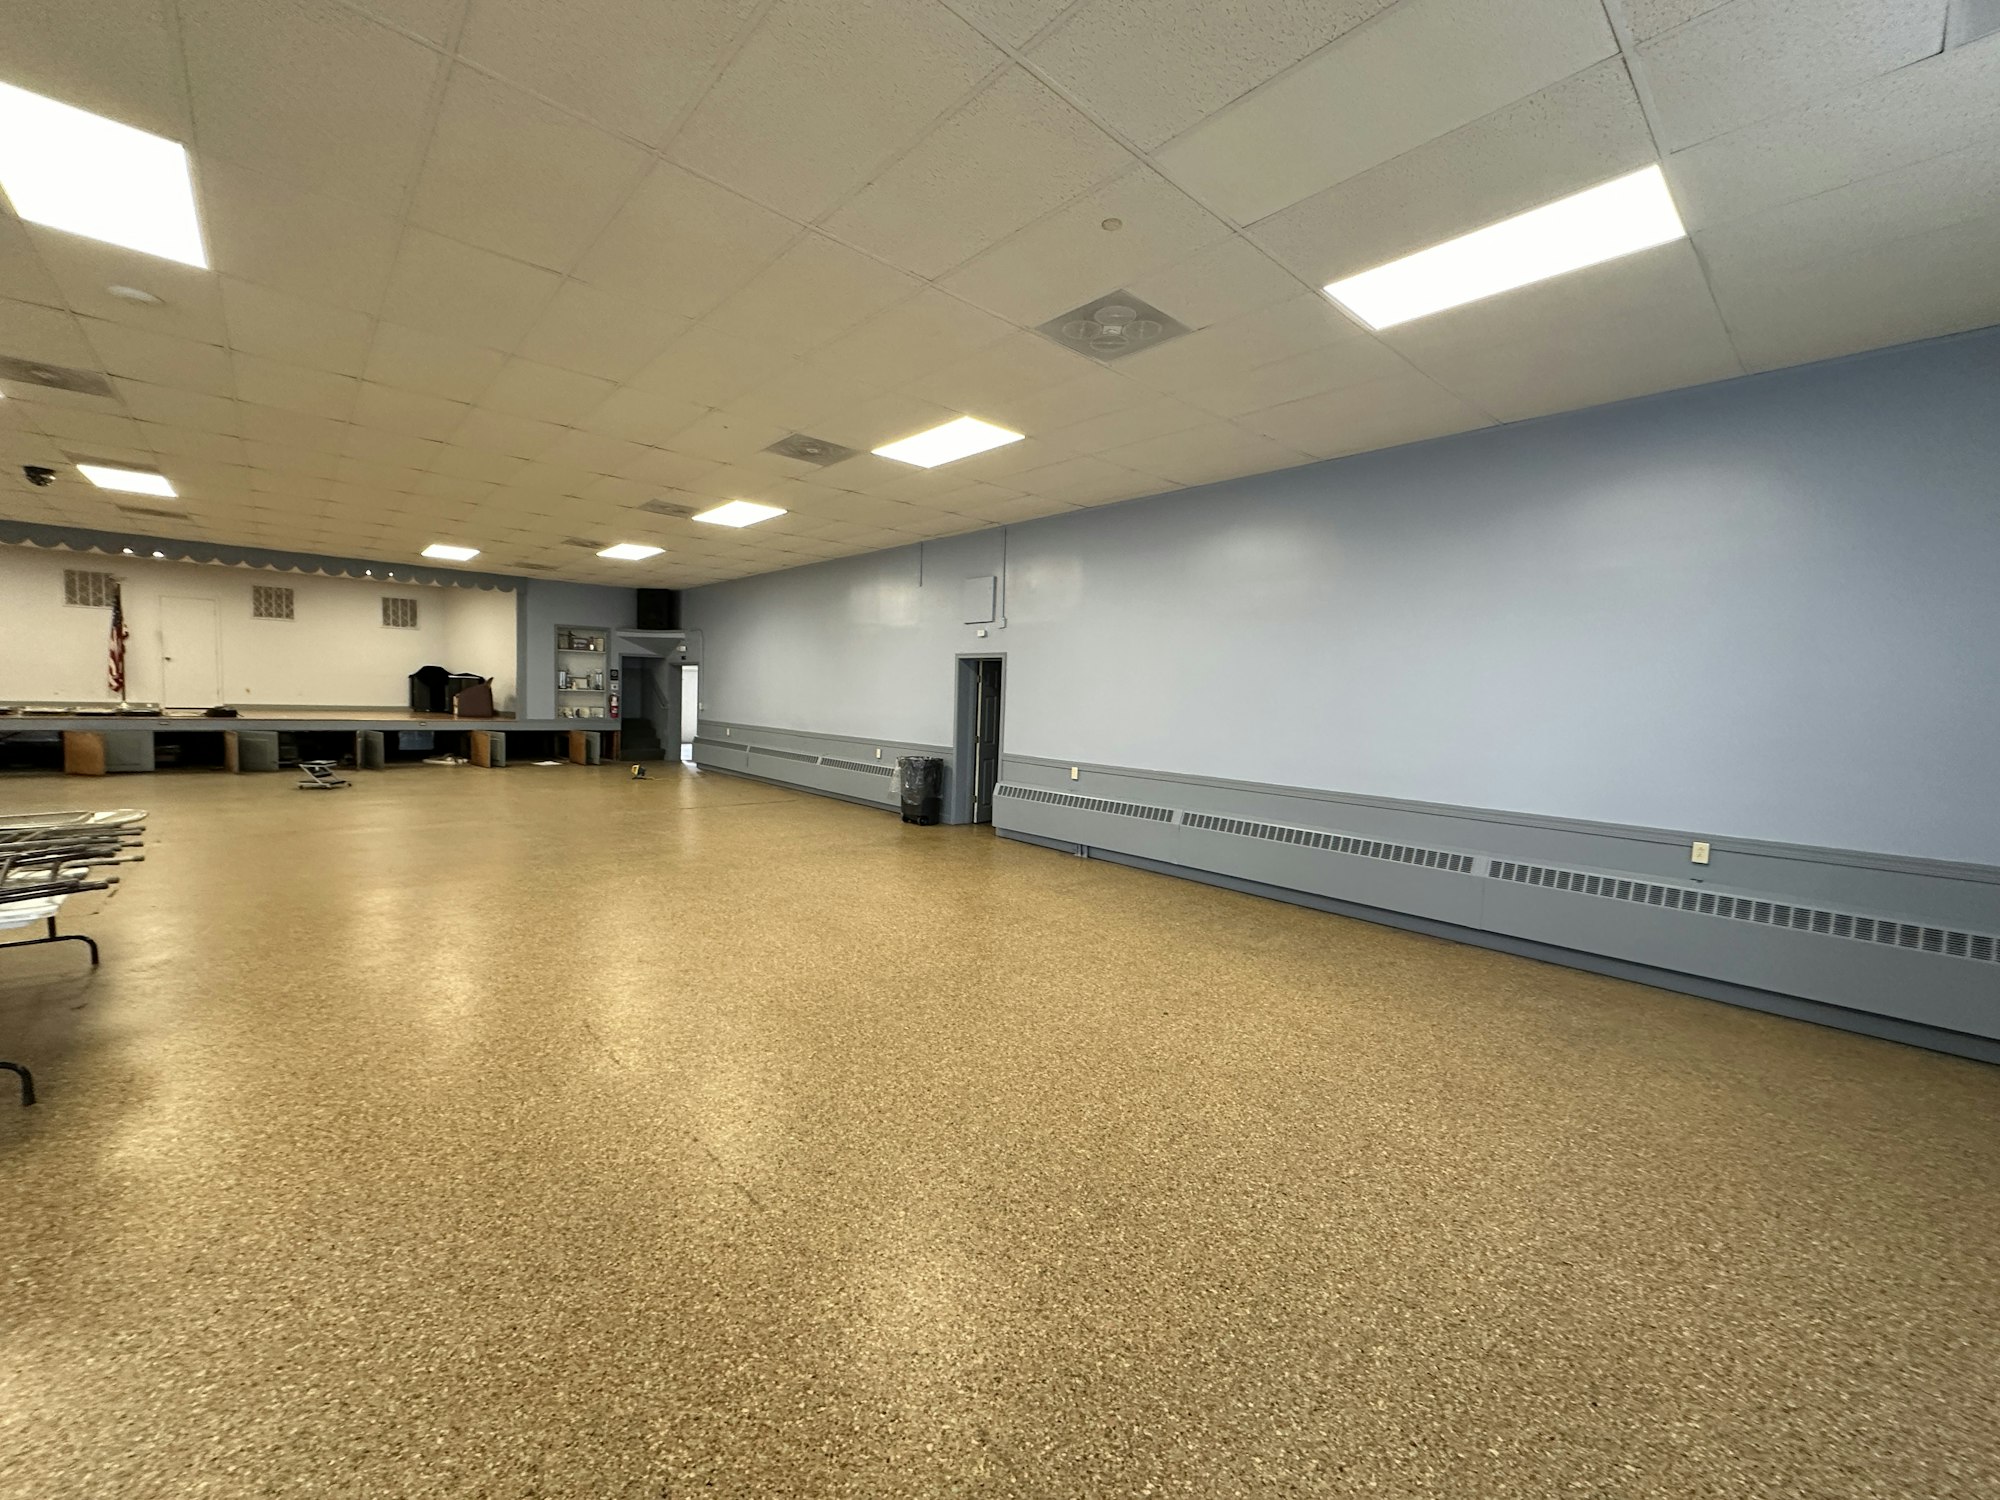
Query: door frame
965	689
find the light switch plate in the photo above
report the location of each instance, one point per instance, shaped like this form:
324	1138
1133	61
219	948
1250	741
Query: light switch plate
1072	773
1699	853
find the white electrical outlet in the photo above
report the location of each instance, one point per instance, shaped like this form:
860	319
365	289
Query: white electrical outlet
1699	853
1072	773
878	752
728	731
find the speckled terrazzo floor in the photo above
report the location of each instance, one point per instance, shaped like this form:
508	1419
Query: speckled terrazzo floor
539	1133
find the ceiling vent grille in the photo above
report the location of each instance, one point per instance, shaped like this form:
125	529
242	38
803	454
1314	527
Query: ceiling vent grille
667	508
869	767
1087	804
1885	932
536	567
146	510
1113	326
55	377
584	542
1334	843
811	450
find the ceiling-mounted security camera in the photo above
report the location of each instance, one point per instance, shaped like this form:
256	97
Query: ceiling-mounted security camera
38	476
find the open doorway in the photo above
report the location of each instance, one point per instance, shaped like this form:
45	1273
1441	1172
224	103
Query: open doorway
976	747
690	710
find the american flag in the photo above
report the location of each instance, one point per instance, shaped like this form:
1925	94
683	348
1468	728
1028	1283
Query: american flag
118	636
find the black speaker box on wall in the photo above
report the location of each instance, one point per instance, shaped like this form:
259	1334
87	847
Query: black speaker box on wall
659	609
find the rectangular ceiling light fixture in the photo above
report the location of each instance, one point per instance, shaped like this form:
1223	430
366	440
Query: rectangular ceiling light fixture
959	438
739	513
1620	217
132	481
631	552
445	552
76	171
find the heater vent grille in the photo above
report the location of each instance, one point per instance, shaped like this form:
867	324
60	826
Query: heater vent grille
1334	843
1087	804
1886	932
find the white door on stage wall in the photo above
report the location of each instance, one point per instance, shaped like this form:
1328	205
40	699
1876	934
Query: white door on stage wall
190	662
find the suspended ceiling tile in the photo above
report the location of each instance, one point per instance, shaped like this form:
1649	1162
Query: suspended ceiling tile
1306	321
630	66
707	366
1203	453
23	277
681	244
515	176
1740	63
1227	279
188	305
1012	154
917	334
1012	22
259	228
315	393
281	327
500	432
32	331
798	396
1137	424
1152	68
814	292
1070	257
418	360
1344	362
1649	18
1415	73
599	333
525	388
641	417
1405	408
1783	311
178	408
153	357
1628	328
310	92
1587	129
417	414
871	424
384	446
465	293
1019	366
290	429
1928	109
824	92
1865	215
116	58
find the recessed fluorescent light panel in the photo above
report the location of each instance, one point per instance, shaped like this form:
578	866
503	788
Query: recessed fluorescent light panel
739	513
631	552
954	440
72	170
1615	218
133	481
445	552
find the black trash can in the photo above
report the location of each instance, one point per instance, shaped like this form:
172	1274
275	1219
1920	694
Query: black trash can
923	788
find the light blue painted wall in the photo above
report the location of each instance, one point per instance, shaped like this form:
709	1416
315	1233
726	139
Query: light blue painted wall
545	605
1768	609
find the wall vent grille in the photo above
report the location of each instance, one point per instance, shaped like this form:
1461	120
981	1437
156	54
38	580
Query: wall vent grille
399	613
1336	843
1884	931
1088	804
811	760
868	767
89	590
270	602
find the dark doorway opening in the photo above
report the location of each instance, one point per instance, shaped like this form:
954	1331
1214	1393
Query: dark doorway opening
976	768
